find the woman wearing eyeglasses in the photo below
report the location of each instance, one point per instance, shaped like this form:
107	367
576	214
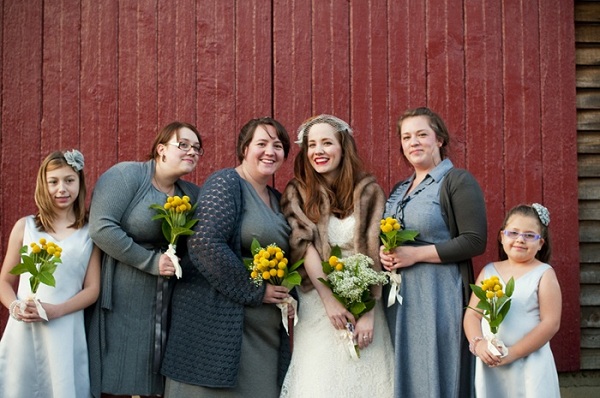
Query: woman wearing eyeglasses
446	206
128	323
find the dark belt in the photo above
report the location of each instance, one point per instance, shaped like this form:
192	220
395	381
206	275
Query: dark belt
160	321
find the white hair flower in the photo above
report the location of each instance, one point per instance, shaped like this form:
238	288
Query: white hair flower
543	213
74	159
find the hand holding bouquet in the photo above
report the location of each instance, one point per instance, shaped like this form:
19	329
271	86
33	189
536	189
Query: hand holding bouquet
39	260
350	280
176	214
270	264
494	304
393	235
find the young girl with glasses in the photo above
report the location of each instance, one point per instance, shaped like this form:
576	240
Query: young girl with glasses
527	367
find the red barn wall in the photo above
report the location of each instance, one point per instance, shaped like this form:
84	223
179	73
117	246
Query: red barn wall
104	76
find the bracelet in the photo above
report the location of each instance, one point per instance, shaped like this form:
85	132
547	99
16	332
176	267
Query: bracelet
473	344
11	309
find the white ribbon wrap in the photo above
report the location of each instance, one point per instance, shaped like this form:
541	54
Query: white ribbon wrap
347	336
495	345
284	312
174	259
395	282
41	311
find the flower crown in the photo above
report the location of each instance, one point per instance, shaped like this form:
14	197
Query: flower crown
542	213
74	159
333	121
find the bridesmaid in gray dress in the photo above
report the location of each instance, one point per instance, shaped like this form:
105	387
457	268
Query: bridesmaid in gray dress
226	337
446	206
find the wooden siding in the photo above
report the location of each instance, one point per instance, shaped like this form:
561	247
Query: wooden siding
587	34
105	75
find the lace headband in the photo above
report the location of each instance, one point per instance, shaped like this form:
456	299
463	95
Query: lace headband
542	213
333	121
74	159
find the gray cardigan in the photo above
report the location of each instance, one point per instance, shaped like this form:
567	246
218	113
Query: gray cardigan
205	338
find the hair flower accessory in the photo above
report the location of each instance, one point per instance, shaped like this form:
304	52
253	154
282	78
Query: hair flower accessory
543	213
333	121
75	159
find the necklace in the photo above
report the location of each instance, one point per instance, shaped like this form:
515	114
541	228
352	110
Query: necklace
167	192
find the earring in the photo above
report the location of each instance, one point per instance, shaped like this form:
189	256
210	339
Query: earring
164	159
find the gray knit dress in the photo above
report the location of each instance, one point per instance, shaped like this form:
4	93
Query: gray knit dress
127	325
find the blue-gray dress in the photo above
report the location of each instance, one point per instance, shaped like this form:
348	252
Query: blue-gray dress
426	327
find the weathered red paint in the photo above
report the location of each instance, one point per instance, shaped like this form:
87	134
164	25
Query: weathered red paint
106	76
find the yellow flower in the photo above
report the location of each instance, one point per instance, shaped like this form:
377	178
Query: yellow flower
339	267
489	294
266	275
273	272
499	293
280	273
386	228
42	241
36	249
333	260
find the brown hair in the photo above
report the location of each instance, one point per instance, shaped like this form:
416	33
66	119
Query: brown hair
341	192
167	132
435	122
46	213
247	134
545	252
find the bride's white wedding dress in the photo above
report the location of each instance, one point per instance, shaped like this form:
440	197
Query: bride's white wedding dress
321	362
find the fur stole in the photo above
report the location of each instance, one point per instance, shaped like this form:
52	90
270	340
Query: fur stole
369	203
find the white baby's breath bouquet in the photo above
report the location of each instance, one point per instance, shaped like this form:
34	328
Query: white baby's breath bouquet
350	280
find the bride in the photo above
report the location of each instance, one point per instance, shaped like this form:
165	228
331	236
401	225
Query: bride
330	202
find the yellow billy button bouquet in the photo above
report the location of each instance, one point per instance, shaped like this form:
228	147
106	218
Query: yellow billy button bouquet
176	213
393	235
270	264
350	280
40	260
494	304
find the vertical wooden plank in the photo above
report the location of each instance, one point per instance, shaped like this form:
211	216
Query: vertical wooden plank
523	172
216	107
407	65
99	86
369	103
445	70
559	149
60	76
177	64
177	60
21	112
137	106
331	59
253	66
483	102
292	78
